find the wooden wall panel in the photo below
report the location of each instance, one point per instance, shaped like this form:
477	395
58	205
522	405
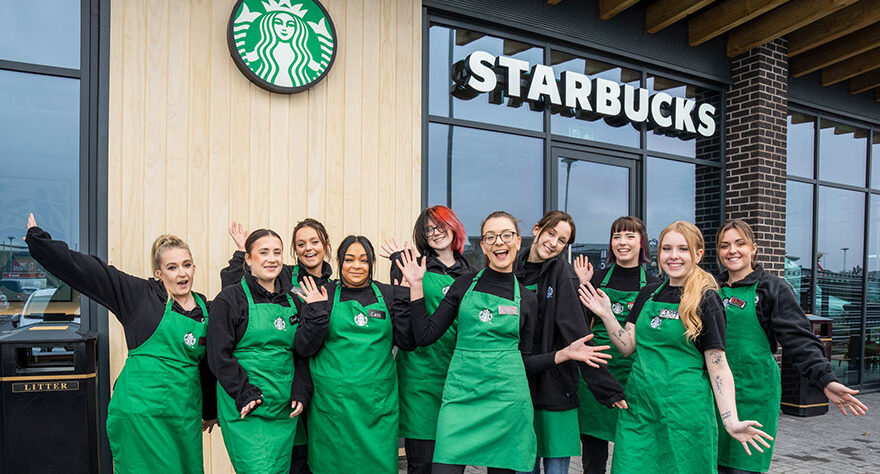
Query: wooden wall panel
194	145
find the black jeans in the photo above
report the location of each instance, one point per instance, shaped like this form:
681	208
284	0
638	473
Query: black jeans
299	462
594	454
419	455
459	469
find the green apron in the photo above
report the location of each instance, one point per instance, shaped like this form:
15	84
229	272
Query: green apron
421	373
262	442
597	420
557	431
154	420
353	417
301	438
755	376
670	424
486	418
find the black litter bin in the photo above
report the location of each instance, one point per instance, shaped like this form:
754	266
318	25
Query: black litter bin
799	396
48	403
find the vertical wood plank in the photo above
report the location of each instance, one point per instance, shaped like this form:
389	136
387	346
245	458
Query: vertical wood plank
334	180
197	184
369	202
178	119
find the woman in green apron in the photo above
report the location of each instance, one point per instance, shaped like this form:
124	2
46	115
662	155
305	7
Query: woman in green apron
353	416
677	329
621	280
439	236
262	384
486	415
164	396
762	313
310	246
544	270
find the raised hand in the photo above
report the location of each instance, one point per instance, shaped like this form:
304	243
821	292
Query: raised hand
746	433
595	300
579	350
310	292
239	234
32	222
583	268
842	396
413	271
390	247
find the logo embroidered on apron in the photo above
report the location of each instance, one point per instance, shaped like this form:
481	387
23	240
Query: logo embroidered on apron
280	324
360	319
617	309
189	339
485	316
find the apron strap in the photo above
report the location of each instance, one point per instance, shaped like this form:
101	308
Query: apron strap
201	305
379	298
294	277
643	279
247	292
654	293
608	276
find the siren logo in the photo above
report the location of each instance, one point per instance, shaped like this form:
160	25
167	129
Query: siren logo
283	46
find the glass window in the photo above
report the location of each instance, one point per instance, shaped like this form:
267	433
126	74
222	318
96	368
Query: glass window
799	240
598	129
46	32
449	46
678	143
875	162
39	156
799	144
839	276
595	194
843	153
670	197
490	171
872	331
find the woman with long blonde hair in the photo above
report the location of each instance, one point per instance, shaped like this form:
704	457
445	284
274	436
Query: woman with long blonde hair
670	425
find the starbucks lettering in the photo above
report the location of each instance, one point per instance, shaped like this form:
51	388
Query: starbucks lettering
578	95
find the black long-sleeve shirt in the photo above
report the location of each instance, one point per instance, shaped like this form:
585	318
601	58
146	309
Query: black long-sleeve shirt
396	300
137	303
784	322
228	324
236	269
427	330
710	309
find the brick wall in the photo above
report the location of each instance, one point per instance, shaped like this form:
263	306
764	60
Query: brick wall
757	106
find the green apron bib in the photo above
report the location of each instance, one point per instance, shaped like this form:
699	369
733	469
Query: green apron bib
154	420
670	424
597	420
486	418
421	373
262	442
557	431
755	376
301	438
353	417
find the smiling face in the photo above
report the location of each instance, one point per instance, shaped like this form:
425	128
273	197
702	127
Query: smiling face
176	271
355	268
501	254
438	236
265	258
626	246
551	242
310	251
284	26
735	251
675	258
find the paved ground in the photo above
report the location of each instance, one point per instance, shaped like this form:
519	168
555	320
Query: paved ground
830	443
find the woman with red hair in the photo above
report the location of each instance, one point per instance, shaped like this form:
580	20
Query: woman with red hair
439	237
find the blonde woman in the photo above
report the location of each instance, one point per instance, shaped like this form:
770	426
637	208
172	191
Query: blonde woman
670	425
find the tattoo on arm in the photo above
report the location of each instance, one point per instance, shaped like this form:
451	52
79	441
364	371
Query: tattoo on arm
620	333
718	384
716	357
726	415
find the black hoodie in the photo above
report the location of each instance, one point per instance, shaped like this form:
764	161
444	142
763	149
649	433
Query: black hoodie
561	321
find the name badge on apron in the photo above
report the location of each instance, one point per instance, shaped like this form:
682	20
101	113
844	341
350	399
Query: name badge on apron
733	300
507	309
376	314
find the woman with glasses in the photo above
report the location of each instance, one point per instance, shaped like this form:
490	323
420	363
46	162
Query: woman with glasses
486	416
439	237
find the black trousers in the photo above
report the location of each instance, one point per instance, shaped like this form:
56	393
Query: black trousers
299	462
419	455
594	454
730	470
459	469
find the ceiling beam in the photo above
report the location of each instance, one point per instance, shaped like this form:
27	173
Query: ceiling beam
725	17
608	9
852	67
841	23
663	13
780	22
838	50
868	81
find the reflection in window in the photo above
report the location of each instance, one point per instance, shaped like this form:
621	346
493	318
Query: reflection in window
595	194
799	240
875	161
489	171
839	274
799	144
670	197
842	153
672	141
39	156
449	46
872	333
600	129
44	32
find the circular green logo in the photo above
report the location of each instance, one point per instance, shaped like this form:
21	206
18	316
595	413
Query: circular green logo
282	46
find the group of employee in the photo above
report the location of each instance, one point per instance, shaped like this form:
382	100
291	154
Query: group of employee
520	363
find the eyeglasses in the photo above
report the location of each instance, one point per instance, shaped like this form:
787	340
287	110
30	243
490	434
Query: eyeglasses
434	229
491	237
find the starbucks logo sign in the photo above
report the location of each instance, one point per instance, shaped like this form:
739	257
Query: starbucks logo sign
283	46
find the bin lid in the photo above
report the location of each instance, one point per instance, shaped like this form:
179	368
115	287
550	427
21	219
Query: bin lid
47	332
